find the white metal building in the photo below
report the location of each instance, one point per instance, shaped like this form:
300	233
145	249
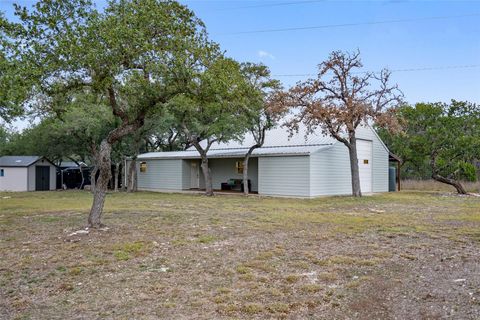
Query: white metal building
296	166
26	173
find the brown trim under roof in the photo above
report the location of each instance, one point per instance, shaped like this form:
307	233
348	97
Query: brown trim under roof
394	157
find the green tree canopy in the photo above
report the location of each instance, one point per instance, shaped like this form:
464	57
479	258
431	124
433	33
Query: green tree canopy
12	85
74	135
212	110
443	137
130	57
259	114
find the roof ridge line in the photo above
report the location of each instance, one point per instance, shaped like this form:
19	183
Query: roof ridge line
278	146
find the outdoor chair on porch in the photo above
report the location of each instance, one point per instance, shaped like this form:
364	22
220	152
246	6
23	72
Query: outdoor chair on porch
235	185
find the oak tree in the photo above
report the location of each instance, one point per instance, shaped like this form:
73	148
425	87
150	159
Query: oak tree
125	56
211	111
444	137
259	115
341	99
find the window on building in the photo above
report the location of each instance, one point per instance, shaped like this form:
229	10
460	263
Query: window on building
143	166
2	173
239	167
365	161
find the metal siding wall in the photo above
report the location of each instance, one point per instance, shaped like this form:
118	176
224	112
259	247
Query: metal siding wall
380	166
380	160
160	175
186	174
284	176
330	171
14	179
53	177
31	178
224	169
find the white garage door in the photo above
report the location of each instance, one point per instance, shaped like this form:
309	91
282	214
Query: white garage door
364	153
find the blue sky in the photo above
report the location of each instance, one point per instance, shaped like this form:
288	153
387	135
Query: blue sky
452	39
417	44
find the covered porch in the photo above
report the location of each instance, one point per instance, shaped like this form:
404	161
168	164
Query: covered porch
222	170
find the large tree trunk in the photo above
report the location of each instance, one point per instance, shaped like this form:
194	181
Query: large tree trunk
207	175
104	165
104	156
245	169
457	185
437	177
260	140
355	173
203	155
93	178
246	190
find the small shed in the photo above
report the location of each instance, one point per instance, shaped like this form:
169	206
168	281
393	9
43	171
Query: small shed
27	173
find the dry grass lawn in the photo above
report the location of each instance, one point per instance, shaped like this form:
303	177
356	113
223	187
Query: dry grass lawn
408	255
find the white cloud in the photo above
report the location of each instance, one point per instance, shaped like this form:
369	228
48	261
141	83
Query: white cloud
265	54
